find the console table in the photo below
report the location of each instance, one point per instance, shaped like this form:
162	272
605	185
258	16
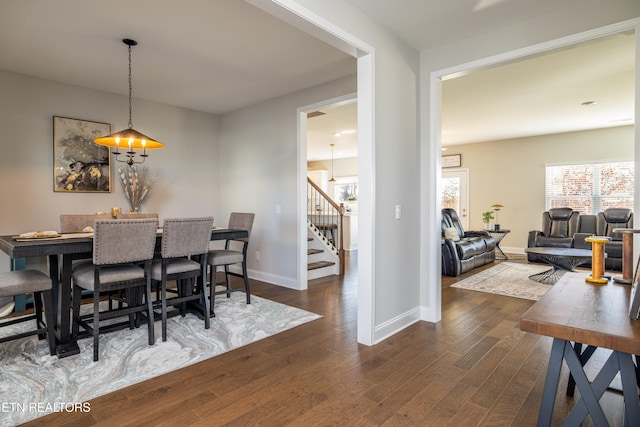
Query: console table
595	315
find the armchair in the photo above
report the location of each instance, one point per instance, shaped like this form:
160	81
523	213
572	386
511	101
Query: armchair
558	227
462	250
606	222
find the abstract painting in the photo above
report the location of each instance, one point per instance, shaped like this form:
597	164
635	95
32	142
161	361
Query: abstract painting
80	165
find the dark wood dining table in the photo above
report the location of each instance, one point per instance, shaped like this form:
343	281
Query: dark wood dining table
69	247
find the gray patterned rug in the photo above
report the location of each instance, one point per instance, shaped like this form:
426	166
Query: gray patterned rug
33	384
507	278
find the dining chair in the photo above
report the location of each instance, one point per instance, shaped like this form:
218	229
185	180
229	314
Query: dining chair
21	282
137	215
235	252
185	243
74	223
122	256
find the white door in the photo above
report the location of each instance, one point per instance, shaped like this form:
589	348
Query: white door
454	193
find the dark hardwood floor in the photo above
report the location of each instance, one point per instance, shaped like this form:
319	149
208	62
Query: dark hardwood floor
475	367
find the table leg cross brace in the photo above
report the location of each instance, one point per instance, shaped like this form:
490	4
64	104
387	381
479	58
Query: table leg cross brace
591	392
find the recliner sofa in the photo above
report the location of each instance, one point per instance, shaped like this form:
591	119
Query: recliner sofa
463	251
563	227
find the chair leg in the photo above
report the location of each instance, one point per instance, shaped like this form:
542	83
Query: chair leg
163	296
48	314
204	299
150	325
96	324
246	282
212	290
37	311
227	281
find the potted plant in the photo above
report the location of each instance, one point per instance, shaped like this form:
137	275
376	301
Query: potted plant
486	218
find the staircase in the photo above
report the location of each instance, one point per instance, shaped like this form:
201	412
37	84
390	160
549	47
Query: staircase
325	250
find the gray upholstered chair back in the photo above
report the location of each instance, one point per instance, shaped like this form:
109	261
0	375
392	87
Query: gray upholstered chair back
71	223
560	222
241	221
186	236
137	215
612	218
121	241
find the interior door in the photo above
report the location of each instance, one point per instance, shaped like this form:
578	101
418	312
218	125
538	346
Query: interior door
454	193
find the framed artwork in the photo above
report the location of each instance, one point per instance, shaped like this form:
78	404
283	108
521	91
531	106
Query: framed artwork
452	161
80	165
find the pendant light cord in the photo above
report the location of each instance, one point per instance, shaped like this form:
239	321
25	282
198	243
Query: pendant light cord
130	90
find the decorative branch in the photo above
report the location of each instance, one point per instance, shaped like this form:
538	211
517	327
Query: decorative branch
136	184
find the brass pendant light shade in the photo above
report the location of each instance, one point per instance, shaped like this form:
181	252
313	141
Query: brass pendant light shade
129	139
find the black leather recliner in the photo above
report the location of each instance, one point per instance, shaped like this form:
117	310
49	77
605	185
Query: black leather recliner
558	227
471	249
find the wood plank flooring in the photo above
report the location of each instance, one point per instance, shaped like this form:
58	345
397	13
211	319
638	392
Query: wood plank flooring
474	368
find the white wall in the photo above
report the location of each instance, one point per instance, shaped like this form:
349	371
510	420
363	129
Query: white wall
186	171
512	173
393	293
258	172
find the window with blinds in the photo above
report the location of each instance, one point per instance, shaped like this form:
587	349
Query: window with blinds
590	188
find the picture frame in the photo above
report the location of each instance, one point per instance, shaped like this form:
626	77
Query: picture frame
452	161
80	165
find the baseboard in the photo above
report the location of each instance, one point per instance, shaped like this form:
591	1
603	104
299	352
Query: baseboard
272	279
395	325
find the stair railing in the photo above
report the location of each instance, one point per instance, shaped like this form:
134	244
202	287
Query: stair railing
326	215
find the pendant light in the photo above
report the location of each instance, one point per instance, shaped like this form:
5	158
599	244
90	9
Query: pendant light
332	178
129	139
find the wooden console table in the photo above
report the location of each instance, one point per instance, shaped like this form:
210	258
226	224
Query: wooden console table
595	315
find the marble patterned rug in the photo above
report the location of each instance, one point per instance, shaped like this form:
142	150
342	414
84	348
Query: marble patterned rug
508	278
33	384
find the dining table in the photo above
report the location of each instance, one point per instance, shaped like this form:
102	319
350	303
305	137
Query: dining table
61	250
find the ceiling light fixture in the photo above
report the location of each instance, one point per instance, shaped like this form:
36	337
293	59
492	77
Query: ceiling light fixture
129	138
332	178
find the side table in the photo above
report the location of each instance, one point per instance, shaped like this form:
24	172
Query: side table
627	255
498	235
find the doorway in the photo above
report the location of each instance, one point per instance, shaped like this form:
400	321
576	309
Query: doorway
455	195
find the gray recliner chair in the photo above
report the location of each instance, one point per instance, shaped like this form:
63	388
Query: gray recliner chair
606	222
558	227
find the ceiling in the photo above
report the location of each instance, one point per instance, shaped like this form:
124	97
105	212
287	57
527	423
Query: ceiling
218	56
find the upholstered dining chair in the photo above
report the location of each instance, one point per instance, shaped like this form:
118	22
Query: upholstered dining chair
231	254
73	223
20	282
137	215
185	243
117	246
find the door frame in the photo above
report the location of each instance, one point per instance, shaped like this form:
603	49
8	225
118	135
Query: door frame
430	273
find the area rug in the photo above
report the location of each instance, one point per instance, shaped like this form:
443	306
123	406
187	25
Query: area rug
508	278
33	384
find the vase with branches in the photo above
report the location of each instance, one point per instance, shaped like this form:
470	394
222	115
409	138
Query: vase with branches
136	184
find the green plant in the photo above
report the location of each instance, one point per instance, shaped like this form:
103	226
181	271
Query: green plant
487	217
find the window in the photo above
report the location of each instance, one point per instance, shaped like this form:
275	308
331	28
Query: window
345	190
590	188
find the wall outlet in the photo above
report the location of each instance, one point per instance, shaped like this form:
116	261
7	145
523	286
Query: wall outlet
257	255
398	211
